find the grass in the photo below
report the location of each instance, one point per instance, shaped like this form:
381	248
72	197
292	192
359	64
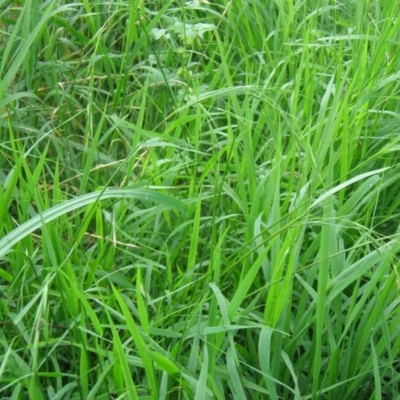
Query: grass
199	200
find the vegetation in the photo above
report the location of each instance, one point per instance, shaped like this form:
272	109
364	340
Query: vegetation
199	199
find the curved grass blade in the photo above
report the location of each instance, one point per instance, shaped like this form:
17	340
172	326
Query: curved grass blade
55	212
337	188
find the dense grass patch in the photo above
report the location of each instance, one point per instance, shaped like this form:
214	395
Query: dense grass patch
200	199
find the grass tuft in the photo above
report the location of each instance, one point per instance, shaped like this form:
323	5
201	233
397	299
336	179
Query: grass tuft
199	200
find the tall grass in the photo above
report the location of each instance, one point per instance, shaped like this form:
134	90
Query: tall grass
199	200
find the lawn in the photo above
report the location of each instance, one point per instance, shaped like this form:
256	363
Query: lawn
200	199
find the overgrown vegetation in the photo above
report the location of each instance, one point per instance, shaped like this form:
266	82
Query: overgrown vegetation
200	199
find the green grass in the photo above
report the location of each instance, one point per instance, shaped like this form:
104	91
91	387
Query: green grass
200	200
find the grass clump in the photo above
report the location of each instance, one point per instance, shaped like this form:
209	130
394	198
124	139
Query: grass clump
199	200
